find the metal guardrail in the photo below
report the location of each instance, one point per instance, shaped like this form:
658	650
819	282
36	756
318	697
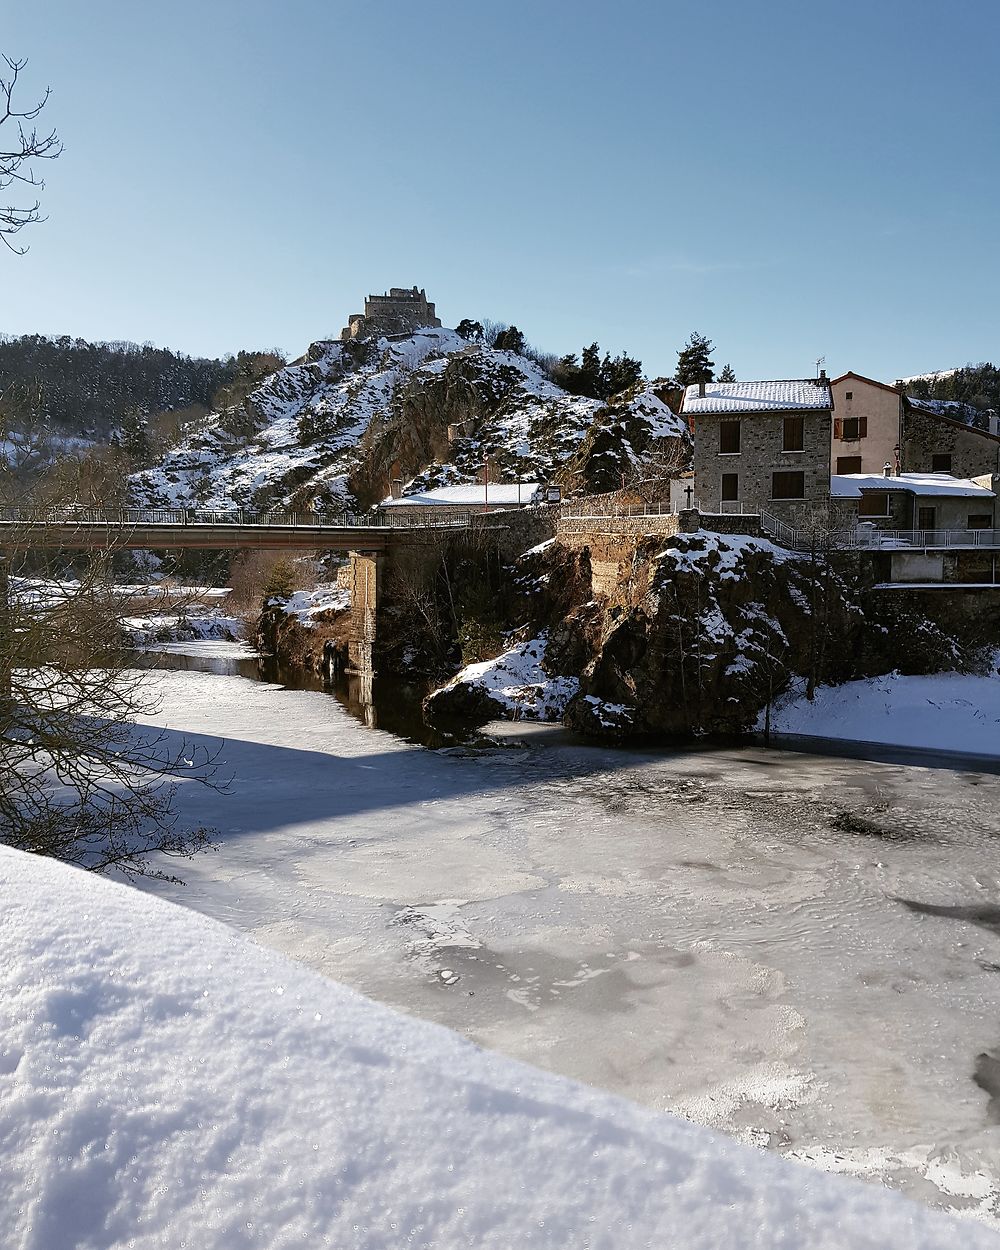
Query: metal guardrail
862	538
180	517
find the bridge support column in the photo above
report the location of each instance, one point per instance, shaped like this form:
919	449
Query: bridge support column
365	575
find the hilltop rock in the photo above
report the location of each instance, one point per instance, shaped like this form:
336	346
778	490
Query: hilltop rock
331	429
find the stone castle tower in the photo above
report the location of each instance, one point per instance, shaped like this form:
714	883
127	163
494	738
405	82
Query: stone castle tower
399	311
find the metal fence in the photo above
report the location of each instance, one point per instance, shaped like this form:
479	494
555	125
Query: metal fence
865	537
133	517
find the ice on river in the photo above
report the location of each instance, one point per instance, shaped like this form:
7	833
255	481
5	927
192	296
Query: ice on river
802	952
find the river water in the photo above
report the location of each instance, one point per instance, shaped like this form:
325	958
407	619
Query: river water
800	950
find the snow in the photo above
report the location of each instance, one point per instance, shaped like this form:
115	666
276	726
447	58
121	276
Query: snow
750	397
306	605
686	929
167	1083
943	712
506	493
518	682
850	485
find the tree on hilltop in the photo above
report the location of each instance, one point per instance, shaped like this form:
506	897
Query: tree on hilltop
596	376
728	374
693	361
469	329
510	340
20	144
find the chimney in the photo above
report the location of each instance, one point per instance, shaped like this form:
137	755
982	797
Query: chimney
701	390
822	377
396	488
887	469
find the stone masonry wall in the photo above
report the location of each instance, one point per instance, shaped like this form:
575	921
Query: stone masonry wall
760	455
973	452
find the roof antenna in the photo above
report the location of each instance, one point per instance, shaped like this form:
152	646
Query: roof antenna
821	360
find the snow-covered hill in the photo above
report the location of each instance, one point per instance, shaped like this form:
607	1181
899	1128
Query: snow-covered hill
333	428
165	1082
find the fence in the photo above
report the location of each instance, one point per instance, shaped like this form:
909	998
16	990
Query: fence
131	517
866	537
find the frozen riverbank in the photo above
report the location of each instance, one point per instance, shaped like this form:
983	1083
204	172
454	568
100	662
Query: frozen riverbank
717	933
941	712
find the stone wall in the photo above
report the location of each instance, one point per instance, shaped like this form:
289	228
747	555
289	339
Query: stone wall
398	311
760	455
973	452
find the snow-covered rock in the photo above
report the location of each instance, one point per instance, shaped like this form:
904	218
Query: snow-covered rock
166	1083
514	685
331	429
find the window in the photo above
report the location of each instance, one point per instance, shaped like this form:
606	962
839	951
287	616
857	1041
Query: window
874	503
848	394
926	518
848	464
788	486
730	487
941	462
793	434
980	521
729	438
850	429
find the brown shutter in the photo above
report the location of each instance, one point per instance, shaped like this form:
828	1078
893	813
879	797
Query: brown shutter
862	427
838	427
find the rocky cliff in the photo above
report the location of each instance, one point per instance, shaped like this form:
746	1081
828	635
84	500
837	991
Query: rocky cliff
332	429
705	631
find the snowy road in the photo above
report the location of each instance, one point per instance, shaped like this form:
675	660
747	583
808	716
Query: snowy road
725	934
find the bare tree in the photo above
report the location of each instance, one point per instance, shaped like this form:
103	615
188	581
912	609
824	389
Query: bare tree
79	778
20	145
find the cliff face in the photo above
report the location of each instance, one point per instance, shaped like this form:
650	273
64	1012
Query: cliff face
704	632
333	428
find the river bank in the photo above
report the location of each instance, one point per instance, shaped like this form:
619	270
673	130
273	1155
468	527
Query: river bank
735	935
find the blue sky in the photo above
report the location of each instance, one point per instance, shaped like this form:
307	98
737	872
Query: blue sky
793	180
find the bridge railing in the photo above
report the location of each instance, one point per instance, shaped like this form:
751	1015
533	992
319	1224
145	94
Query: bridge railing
134	517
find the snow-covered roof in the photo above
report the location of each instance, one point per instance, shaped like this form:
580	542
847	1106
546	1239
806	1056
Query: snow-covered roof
737	397
168	1082
494	493
850	485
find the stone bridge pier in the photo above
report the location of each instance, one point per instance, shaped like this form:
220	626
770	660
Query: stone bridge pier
365	576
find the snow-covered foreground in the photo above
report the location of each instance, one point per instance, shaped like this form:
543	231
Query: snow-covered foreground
942	712
166	1083
802	952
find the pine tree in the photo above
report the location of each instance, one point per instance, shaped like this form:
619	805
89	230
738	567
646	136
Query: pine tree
727	374
693	363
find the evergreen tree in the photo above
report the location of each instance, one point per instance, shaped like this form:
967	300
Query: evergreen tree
596	376
727	374
510	340
693	361
468	329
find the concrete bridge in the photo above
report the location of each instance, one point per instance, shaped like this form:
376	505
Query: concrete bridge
101	529
370	539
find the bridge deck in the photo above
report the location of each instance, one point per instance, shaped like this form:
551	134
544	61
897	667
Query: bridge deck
175	529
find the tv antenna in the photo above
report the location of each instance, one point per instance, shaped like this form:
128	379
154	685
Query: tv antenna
819	362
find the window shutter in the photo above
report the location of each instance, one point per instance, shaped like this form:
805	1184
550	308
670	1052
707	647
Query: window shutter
862	427
838	427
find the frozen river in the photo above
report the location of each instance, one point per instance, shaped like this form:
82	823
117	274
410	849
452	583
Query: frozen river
802	951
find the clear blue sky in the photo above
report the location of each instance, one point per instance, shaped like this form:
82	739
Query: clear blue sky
792	179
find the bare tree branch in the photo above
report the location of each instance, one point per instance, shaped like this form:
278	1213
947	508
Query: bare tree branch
20	145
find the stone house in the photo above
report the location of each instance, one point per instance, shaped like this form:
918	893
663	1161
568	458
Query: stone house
761	445
929	502
866	425
942	437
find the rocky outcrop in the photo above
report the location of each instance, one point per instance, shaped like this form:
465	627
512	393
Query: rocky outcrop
703	632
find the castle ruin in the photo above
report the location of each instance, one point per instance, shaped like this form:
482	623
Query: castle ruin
399	311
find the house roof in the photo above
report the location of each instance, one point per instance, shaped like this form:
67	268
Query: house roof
495	493
850	485
783	394
860	377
